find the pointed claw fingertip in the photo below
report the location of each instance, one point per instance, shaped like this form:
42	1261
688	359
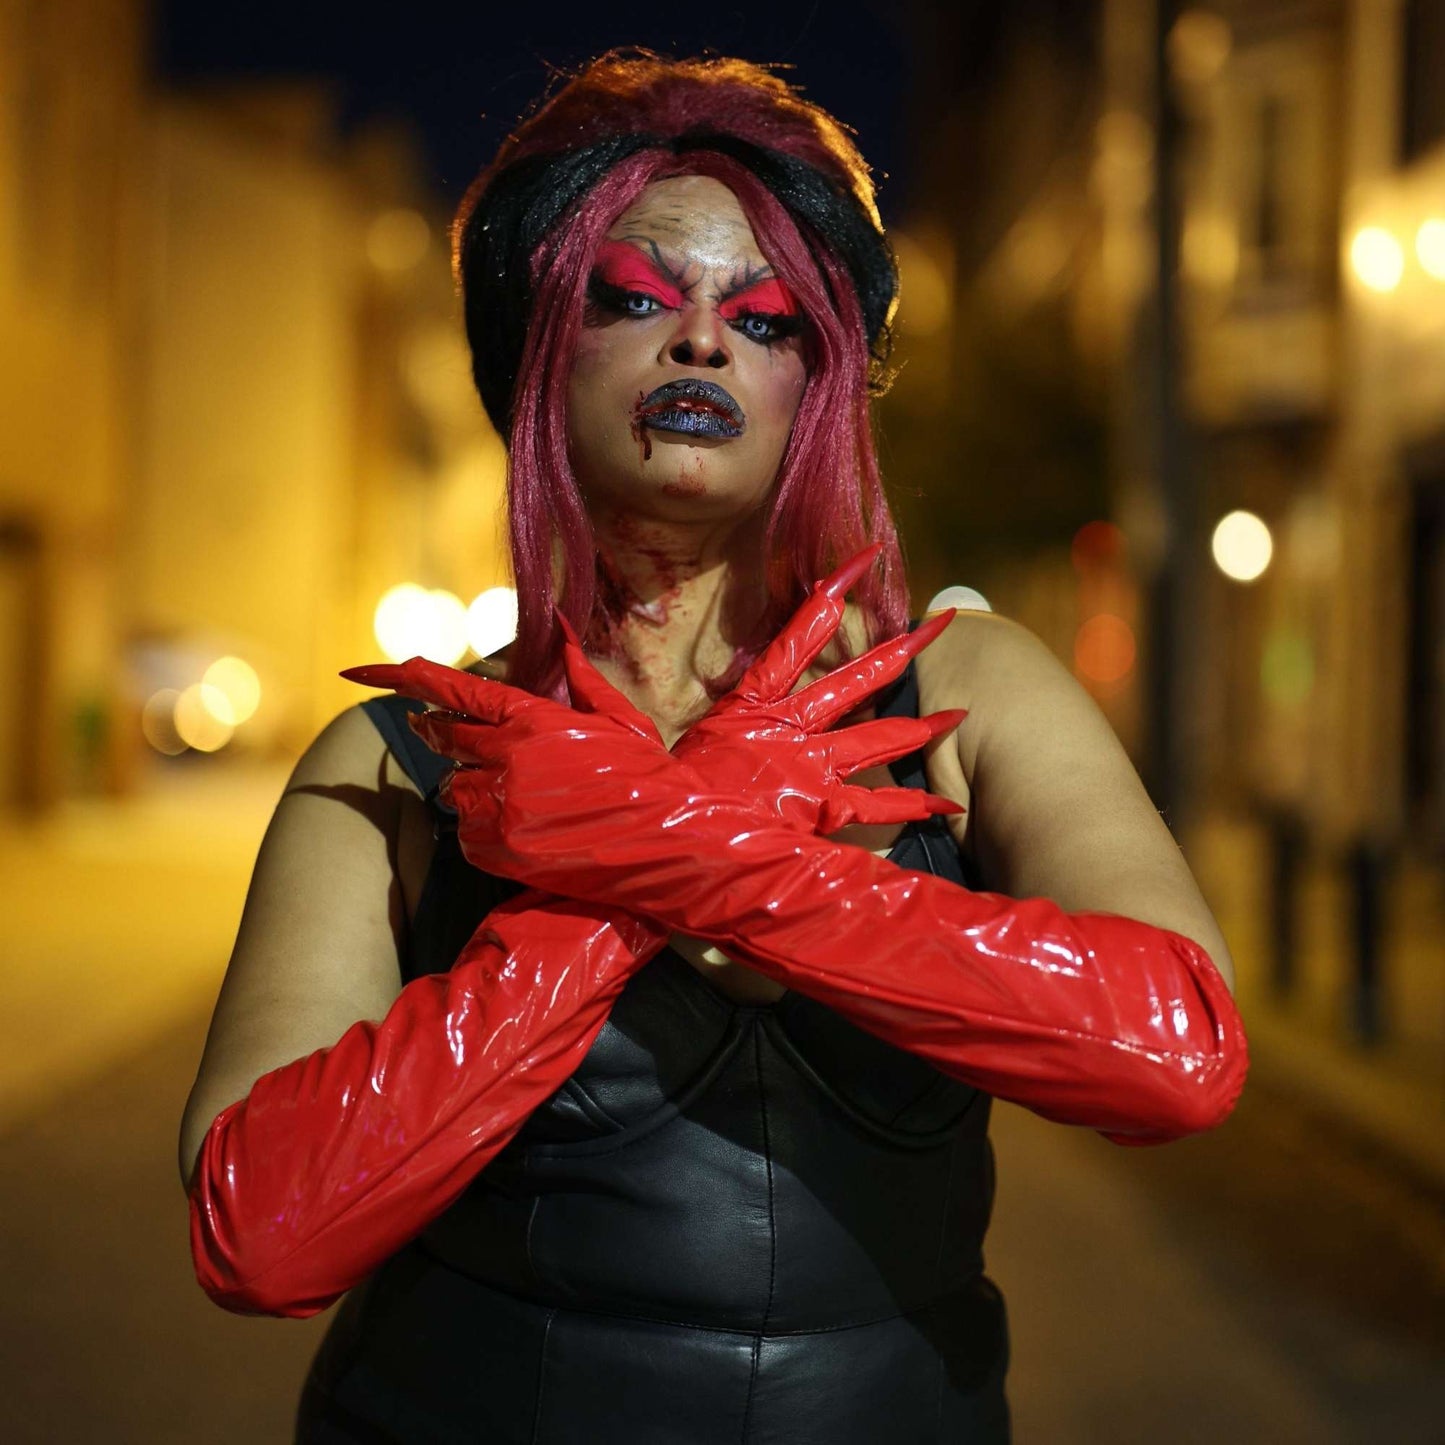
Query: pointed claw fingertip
945	720
940	806
933	625
838	584
568	631
373	674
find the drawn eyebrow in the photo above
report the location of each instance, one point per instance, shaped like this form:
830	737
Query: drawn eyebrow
752	276
671	273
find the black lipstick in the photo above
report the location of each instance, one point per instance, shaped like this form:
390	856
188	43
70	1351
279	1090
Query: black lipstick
692	407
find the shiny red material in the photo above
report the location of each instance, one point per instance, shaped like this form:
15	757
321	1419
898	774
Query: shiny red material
332	1163
1085	1018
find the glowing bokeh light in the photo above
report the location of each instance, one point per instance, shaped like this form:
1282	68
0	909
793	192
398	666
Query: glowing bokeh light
925	302
1096	544
448	627
196	719
411	621
966	599
1430	247
492	620
1209	249
1199	44
216	703
1242	546
1104	649
158	722
396	240
1377	258
236	679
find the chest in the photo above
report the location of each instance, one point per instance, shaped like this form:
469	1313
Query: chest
941	772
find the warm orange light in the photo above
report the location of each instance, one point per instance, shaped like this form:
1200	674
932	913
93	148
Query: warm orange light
1377	258
237	680
158	722
1199	44
1104	649
1242	545
397	240
1096	544
492	620
199	718
925	300
1430	247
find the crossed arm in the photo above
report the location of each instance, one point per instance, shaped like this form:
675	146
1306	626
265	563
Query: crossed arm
329	1164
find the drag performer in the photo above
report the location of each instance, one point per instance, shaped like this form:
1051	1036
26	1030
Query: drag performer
617	1022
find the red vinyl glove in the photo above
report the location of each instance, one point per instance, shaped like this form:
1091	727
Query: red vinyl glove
333	1162
1086	1018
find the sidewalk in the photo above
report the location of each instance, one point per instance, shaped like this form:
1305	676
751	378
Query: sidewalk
1390	1097
119	919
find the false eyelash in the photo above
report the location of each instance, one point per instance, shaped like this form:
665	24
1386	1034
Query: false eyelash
783	326
614	298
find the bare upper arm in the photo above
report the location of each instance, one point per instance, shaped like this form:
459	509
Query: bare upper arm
1057	810
320	937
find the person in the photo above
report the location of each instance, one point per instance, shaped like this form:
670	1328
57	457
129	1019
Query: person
615	1024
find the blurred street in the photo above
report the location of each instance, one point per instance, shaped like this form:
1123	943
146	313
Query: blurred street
1168	390
1270	1283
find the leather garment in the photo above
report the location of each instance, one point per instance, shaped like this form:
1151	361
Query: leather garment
733	1223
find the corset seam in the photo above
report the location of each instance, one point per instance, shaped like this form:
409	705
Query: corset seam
598	1146
542	1377
894	1138
772	1231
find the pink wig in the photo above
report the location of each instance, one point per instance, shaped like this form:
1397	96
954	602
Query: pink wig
827	502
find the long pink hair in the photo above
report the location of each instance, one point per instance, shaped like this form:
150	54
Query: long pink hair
827	503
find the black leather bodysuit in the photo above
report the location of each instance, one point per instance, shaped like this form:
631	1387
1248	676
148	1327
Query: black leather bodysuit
734	1225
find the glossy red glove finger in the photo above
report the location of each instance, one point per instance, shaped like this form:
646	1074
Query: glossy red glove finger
447	687
809	631
772	744
592	693
757	741
332	1163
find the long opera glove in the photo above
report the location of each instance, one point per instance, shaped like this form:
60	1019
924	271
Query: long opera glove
1085	1018
332	1163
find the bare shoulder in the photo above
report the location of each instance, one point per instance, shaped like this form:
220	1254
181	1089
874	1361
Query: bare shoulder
320	940
348	750
1017	691
1057	808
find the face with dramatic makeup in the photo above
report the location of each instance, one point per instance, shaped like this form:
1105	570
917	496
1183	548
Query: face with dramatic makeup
690	364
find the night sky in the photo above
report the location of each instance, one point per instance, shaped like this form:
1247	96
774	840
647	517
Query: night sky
463	73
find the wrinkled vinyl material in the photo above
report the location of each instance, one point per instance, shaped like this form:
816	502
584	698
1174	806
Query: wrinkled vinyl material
1085	1018
333	1162
732	1224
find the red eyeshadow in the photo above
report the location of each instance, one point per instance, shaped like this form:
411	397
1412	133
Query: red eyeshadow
770	297
625	267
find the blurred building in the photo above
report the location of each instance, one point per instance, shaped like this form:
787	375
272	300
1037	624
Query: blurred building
71	123
1311	176
238	407
1248	382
